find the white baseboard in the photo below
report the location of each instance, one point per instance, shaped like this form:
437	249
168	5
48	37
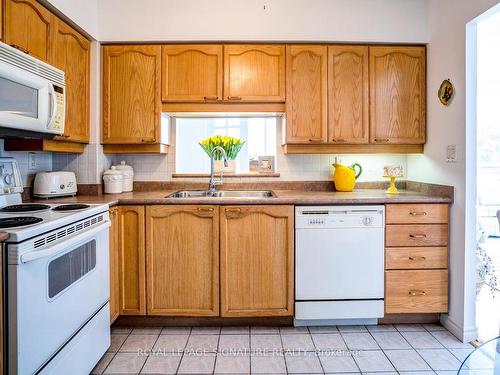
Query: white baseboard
464	334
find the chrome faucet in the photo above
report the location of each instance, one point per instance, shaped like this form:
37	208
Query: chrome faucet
216	181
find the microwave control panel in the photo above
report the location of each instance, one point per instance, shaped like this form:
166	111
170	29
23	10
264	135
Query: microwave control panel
58	123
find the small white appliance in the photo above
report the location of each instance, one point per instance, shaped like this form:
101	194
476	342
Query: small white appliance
339	265
54	184
32	94
56	267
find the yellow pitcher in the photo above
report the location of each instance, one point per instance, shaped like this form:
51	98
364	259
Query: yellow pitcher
345	177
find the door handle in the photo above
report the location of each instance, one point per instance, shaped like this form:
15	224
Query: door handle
412	258
416	292
234	97
315	139
20	48
233	213
338	140
210	97
206	211
418	236
381	140
418	213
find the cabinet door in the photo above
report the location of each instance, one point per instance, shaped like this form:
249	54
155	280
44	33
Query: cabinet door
191	73
114	271
182	247
131	94
29	27
71	54
254	73
132	261
348	94
256	261
306	94
397	95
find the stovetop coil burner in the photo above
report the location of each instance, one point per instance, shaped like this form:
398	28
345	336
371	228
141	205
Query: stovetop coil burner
19	221
25	207
71	207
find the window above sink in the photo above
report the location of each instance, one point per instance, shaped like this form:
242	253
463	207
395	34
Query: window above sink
258	131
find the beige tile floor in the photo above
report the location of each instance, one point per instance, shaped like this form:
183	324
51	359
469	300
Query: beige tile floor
410	349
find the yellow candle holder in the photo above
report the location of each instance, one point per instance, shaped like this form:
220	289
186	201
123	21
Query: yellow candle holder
392	185
393	172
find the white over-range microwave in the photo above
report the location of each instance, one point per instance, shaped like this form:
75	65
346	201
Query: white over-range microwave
32	95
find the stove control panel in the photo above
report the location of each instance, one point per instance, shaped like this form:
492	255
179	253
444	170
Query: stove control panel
10	177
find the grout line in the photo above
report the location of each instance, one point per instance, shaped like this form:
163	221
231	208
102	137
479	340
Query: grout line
183	350
147	356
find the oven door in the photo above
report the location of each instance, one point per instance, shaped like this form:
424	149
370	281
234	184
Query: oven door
52	293
27	101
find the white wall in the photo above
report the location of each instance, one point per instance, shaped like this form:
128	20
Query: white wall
446	56
288	20
82	12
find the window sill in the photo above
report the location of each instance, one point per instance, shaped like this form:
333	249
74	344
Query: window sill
226	175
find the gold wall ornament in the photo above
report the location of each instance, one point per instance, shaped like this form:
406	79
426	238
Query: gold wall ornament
446	92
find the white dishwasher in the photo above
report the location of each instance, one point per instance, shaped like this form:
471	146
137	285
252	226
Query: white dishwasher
339	265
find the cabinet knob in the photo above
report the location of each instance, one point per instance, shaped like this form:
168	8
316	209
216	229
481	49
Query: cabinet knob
234	98
381	140
338	140
210	97
316	140
416	292
418	236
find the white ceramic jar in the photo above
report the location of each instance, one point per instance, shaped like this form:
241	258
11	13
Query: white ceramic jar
113	181
128	175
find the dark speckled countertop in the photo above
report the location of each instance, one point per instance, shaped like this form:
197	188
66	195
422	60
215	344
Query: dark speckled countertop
295	197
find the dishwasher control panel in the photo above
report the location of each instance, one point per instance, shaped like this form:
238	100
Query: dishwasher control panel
339	216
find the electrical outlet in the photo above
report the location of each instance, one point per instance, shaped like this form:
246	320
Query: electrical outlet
31	161
451	153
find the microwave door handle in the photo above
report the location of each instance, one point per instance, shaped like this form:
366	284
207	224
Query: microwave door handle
52	104
64	245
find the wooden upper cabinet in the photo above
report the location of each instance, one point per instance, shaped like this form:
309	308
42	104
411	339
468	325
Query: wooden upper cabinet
71	54
182	249
348	94
132	260
191	73
28	27
254	73
397	95
306	94
131	94
256	261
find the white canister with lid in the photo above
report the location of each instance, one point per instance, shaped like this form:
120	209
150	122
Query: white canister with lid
128	175
113	181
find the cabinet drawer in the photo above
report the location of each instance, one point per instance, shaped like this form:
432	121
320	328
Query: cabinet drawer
416	213
416	235
416	291
398	258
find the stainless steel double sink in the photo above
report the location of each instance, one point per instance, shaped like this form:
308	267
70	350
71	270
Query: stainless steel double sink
223	194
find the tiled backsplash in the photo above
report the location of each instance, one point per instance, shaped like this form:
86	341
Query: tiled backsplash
43	162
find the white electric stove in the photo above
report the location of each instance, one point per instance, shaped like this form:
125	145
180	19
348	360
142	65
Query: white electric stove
56	281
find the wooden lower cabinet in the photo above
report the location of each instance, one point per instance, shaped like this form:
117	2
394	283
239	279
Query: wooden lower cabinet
114	271
132	260
257	247
182	257
416	258
416	291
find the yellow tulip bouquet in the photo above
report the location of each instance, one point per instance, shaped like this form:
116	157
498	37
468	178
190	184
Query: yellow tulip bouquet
230	144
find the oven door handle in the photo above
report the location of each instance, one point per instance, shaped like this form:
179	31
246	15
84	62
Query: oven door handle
64	245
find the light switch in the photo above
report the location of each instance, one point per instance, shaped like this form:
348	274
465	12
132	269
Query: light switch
451	153
31	160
